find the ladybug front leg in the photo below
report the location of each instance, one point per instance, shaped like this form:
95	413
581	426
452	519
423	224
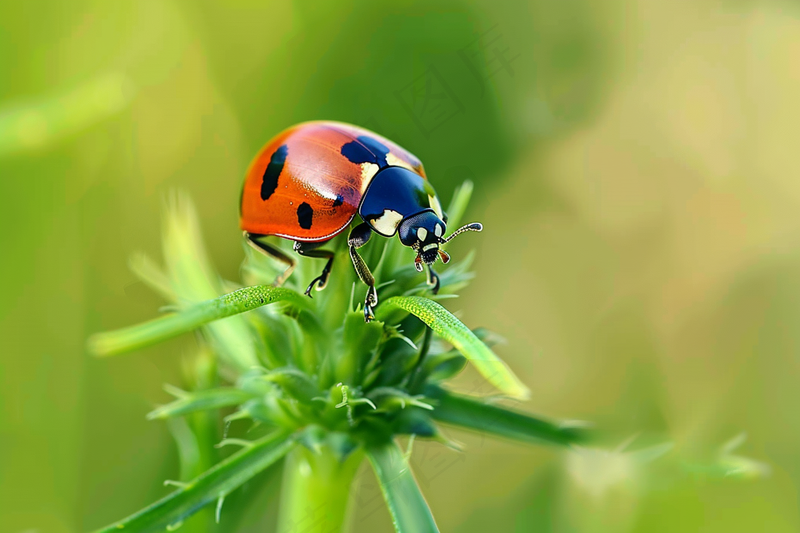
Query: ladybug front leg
358	237
433	280
308	249
271	251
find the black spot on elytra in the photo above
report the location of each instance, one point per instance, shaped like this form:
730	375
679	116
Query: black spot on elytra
304	215
270	180
339	200
366	150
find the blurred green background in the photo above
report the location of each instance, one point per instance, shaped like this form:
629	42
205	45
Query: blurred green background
636	170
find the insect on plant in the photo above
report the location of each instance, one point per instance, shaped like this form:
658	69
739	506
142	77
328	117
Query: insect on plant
309	183
321	387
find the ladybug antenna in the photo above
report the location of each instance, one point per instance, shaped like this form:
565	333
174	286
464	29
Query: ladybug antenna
475	226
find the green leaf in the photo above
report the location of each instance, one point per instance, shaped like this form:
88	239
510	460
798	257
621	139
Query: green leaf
448	327
410	511
444	366
217	482
151	275
474	414
191	274
200	401
359	340
193	279
160	329
274	332
458	204
417	422
397	398
296	383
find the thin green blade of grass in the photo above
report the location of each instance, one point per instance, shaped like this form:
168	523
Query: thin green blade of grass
451	329
209	487
154	331
458	204
192	278
189	452
474	414
409	510
200	401
144	268
191	460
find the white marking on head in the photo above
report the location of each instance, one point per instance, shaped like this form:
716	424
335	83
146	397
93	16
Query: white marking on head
422	233
387	223
432	245
437	230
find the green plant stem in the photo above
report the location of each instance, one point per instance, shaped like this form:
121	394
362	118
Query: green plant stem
316	490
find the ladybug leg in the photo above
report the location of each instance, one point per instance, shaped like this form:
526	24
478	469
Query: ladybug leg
433	280
274	252
358	237
308	249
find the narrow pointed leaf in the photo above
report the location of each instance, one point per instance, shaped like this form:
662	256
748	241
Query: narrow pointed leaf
448	327
387	397
146	270
458	204
474	414
358	340
409	510
190	454
193	279
443	366
153	331
201	401
217	482
294	382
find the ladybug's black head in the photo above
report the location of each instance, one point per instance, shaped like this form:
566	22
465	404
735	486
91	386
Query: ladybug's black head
423	233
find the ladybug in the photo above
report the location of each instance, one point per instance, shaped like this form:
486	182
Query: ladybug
309	182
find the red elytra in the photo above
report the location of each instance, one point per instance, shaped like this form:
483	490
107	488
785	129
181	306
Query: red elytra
300	186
